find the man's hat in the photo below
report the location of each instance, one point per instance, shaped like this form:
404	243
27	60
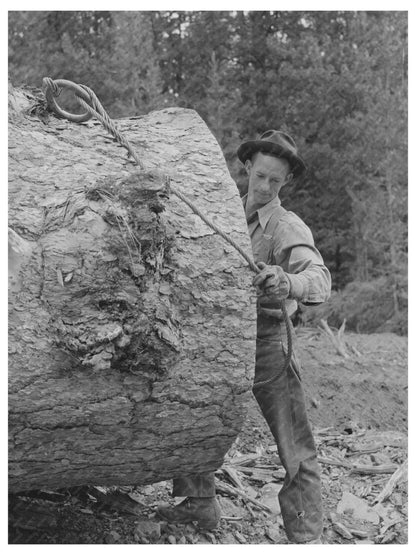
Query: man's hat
275	142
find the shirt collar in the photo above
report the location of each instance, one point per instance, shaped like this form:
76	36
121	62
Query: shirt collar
265	212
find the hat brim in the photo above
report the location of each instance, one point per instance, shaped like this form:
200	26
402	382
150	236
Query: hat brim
247	149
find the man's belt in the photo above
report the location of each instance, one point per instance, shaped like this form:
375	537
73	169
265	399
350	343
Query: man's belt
276	313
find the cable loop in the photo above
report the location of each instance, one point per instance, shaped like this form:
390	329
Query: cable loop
52	88
89	101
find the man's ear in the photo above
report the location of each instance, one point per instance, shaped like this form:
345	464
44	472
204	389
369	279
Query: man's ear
248	165
289	178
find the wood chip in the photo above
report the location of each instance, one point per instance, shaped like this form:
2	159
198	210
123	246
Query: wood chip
342	530
258	474
244	460
399	474
359	533
232	474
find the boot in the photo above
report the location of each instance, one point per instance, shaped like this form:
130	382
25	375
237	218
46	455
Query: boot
203	510
319	540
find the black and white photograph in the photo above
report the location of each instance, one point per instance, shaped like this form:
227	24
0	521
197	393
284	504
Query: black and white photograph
207	276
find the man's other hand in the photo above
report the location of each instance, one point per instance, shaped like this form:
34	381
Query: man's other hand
272	281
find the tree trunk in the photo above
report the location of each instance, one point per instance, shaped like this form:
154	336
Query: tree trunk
131	324
392	233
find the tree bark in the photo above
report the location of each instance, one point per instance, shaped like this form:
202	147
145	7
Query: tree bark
131	324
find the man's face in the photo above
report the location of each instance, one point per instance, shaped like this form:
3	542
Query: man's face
267	175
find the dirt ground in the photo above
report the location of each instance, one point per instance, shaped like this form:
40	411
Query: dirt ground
358	408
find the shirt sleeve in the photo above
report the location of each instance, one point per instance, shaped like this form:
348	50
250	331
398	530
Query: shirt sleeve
295	252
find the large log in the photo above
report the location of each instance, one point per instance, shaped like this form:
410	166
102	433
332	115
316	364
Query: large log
131	324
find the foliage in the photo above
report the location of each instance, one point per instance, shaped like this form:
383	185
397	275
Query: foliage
89	48
336	81
367	307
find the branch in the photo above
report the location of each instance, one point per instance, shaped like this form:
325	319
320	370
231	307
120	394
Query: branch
230	490
380	469
338	340
400	473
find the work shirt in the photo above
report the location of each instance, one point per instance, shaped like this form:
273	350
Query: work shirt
279	237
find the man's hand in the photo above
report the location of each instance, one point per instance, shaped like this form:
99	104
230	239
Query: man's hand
272	281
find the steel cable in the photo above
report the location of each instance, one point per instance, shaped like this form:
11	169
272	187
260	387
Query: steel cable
89	101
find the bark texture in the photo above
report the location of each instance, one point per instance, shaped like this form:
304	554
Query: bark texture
131	324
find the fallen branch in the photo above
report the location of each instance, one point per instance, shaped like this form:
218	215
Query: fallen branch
364	450
244	460
338	340
380	469
342	530
362	534
327	431
260	474
232	474
249	509
390	525
333	462
391	484
231	490
355	351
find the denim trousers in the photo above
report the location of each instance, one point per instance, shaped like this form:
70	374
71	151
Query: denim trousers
281	400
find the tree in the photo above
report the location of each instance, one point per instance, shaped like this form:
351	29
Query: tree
67	45
135	82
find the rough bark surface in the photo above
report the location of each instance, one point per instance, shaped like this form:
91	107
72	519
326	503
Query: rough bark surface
131	324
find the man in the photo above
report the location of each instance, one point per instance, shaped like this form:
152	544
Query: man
291	271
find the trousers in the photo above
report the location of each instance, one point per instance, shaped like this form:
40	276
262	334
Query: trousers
282	403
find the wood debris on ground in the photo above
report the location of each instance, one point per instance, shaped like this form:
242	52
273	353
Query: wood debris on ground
364	477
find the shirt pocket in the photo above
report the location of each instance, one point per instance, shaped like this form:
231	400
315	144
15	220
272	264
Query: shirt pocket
263	250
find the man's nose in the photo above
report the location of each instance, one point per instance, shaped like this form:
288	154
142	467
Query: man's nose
265	185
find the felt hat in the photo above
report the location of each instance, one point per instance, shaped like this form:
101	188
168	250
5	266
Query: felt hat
274	142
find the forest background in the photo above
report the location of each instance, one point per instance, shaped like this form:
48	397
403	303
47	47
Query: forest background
335	80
